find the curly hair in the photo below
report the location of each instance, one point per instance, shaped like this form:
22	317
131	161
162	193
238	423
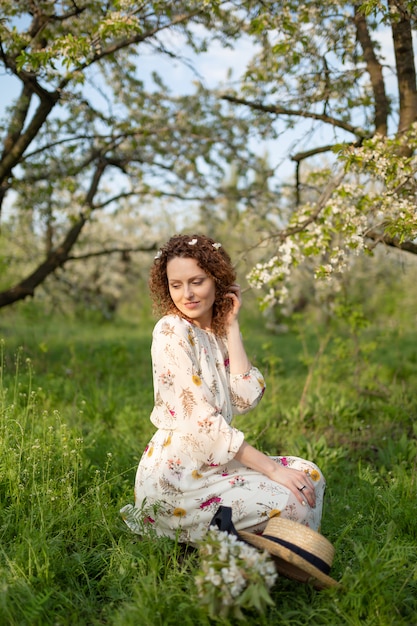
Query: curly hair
213	260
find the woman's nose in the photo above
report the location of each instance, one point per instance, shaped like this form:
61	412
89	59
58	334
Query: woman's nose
188	292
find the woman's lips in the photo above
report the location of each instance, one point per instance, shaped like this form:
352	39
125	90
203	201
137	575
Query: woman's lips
191	305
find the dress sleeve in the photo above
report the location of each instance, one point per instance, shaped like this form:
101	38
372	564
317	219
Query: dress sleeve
246	390
182	397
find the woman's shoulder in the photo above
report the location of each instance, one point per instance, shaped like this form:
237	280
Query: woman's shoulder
172	324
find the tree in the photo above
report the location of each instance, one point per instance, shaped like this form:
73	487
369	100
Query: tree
323	62
68	155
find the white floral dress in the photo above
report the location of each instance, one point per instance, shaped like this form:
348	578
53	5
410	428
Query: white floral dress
188	468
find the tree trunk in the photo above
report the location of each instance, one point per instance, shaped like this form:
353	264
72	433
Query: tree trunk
404	58
375	73
55	259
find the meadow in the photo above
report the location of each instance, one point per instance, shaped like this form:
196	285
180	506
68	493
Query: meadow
75	399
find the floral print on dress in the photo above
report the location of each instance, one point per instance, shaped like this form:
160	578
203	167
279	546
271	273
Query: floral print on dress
212	503
205	425
167	441
314	475
188	402
238	481
196	380
166	379
175	467
188	468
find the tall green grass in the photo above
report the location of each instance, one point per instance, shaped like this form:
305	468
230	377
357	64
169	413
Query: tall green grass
75	400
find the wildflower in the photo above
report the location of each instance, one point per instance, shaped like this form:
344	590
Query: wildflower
233	575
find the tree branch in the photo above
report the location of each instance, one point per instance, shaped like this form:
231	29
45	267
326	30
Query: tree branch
95	181
393	242
278	110
135	39
300	156
14	154
333	183
56	258
106	251
18	118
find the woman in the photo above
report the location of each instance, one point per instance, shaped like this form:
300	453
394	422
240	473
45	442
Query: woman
196	461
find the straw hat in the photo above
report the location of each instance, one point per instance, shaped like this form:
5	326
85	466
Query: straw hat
299	552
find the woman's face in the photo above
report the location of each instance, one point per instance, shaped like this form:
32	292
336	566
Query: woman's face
192	290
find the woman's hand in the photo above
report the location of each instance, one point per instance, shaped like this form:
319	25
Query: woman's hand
239	362
297	481
235	295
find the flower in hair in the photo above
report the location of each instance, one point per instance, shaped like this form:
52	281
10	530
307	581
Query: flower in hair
158	254
216	246
192	242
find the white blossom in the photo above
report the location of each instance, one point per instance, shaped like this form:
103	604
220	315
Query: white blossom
228	566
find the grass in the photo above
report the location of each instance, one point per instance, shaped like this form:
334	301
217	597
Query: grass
75	400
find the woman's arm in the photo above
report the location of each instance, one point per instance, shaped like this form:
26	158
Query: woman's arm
246	382
291	478
183	398
239	362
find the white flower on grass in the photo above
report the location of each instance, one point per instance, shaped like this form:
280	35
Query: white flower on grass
227	575
228	567
214	578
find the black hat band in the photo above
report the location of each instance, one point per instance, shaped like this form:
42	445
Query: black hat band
307	556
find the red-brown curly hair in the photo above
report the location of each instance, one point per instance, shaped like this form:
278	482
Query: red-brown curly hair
211	257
